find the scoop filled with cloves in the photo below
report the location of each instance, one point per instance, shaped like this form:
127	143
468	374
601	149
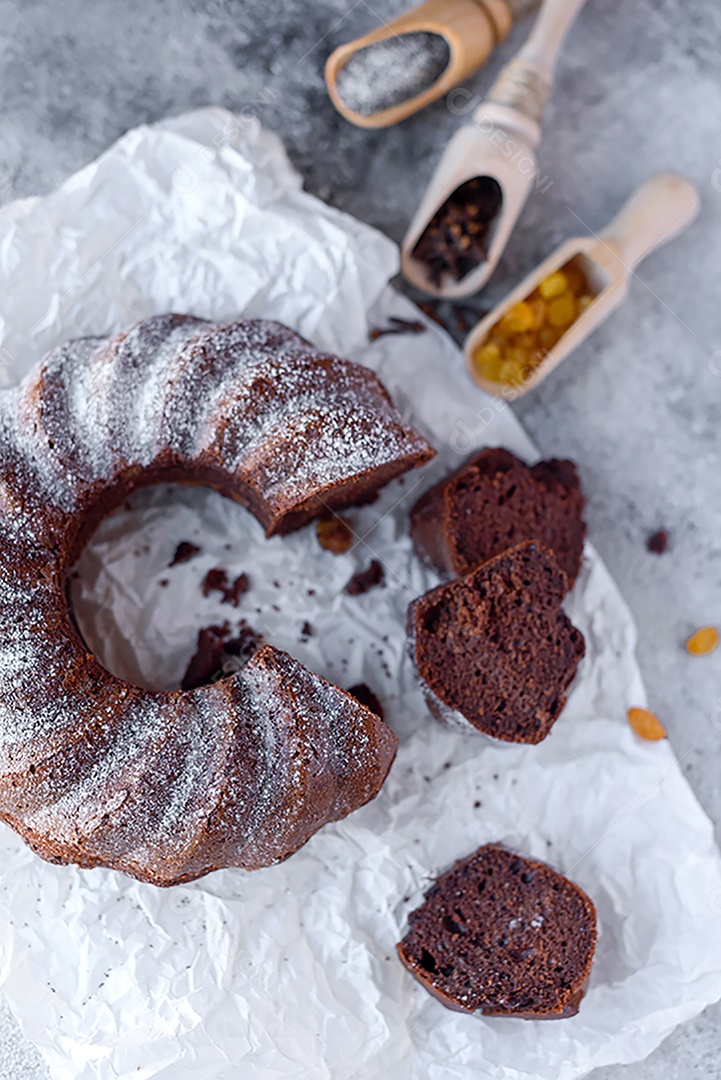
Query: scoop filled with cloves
481	183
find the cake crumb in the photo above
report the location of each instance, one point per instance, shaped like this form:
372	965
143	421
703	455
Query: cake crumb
218	655
216	580
184	552
657	542
365	579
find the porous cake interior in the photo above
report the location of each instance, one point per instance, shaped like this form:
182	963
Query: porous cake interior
503	934
499	502
497	647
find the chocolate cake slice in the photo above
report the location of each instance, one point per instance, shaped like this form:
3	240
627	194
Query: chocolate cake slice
494	650
495	501
503	935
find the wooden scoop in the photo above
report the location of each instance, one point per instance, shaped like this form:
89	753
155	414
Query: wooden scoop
471	28
500	143
658	211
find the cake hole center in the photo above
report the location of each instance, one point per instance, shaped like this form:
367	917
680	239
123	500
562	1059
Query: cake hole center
168	592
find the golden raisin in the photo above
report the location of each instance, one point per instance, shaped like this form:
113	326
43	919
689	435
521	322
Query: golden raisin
525	341
519	342
562	310
548	336
554	285
646	724
511	371
516	355
488	361
490	350
500	334
575	277
538	306
334	535
518	318
703	641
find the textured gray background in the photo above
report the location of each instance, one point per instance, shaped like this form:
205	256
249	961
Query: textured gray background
639	405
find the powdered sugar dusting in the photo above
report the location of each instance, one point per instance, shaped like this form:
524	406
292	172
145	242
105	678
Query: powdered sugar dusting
252	392
106	785
170	761
133	778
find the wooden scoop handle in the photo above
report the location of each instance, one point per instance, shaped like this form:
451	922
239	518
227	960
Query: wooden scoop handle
659	210
553	22
525	83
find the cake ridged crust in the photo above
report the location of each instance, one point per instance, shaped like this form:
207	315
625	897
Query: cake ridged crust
168	786
494	650
503	935
495	501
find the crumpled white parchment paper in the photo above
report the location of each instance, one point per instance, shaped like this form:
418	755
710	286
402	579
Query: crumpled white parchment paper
291	971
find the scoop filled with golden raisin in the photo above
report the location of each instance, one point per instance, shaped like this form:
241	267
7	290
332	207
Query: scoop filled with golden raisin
574	290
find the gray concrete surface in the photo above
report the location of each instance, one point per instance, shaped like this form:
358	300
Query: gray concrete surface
639	407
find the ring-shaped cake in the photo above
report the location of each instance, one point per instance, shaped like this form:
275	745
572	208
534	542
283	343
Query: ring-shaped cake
167	786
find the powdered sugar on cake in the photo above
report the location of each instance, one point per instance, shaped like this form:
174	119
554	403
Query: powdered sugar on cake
169	785
252	391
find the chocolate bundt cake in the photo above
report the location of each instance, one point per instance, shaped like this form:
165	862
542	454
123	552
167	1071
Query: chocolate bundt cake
167	786
495	501
503	935
494	650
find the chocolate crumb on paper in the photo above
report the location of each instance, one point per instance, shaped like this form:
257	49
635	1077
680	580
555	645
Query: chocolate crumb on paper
218	655
184	552
206	659
216	580
365	579
657	542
